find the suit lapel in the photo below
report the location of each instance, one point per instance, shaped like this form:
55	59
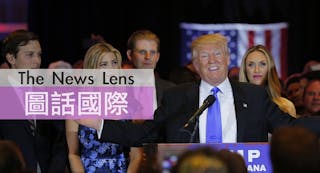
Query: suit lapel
27	126
191	104
193	96
241	107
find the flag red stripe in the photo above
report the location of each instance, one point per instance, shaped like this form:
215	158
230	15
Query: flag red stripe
250	38
268	39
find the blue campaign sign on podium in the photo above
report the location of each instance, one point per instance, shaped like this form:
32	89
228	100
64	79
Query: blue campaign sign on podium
163	156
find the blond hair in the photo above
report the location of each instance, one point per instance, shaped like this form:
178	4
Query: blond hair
216	38
94	55
142	35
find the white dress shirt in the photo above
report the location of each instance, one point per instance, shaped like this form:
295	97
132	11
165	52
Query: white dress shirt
227	109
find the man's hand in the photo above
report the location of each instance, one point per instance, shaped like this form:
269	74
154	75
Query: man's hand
93	123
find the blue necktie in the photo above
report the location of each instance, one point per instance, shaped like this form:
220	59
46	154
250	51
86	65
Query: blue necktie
214	129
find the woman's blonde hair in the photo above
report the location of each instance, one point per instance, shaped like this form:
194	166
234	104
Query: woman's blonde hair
94	55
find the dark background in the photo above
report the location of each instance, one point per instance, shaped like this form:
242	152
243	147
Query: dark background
62	25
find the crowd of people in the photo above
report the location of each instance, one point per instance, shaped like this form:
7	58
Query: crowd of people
253	103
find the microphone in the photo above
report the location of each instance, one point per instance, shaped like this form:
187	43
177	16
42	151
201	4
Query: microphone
206	103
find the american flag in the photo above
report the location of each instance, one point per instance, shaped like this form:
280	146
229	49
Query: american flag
241	37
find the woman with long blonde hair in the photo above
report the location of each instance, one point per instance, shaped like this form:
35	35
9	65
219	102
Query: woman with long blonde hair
258	67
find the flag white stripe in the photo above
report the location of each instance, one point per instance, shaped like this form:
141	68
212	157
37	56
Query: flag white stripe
276	48
259	37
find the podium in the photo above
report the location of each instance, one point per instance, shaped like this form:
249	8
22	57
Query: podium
161	157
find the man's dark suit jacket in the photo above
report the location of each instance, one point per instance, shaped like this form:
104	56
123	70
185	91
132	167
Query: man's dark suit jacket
48	146
256	115
161	85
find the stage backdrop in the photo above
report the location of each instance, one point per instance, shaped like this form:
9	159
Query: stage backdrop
241	37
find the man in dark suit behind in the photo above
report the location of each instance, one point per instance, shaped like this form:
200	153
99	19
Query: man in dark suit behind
42	143
247	113
143	51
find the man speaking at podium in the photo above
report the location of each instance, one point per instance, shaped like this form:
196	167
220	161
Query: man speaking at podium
241	112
